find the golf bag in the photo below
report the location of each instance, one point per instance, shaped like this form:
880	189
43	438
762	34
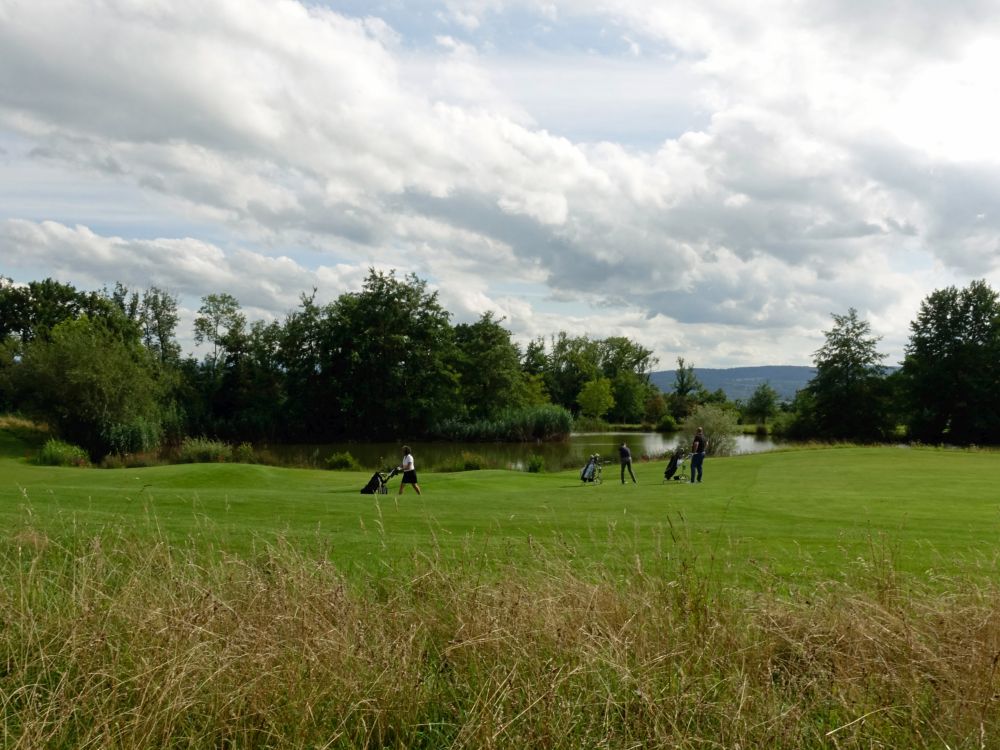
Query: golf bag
378	484
675	467
592	471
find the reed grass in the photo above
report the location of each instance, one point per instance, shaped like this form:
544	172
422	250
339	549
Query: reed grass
122	640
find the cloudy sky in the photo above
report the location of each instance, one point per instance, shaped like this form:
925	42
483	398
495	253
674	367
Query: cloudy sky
712	178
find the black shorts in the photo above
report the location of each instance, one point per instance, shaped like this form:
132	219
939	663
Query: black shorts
410	477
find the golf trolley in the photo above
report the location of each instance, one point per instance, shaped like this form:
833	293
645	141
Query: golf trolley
676	468
592	471
379	483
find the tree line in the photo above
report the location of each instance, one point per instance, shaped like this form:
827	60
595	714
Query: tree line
105	370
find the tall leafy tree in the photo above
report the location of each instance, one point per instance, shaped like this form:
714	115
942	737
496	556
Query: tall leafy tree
311	409
13	309
159	317
686	390
533	364
630	394
849	396
627	364
250	401
488	365
572	362
595	398
219	317
619	354
951	369
762	404
534	360
32	311
86	380
390	348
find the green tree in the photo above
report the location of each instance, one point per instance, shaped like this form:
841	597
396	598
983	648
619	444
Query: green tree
534	360
719	425
595	398
762	404
849	390
619	354
630	393
685	394
572	362
951	368
488	366
158	315
219	317
389	350
304	354
250	402
32	311
655	407
86	382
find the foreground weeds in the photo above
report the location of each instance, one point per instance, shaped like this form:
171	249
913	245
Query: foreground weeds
113	642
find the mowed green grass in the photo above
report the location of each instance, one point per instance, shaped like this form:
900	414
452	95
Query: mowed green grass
782	516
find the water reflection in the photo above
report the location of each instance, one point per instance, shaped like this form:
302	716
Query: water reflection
569	454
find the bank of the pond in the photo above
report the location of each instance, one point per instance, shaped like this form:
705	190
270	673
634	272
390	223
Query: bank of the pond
565	454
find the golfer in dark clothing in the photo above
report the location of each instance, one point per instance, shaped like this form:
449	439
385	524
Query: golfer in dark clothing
626	458
698	448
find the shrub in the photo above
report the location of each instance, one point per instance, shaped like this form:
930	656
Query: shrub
667	423
342	462
474	461
590	424
130	460
546	422
783	424
720	429
244	454
141	435
202	450
57	453
535	464
464	461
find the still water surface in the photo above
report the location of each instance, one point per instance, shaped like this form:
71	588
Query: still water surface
568	454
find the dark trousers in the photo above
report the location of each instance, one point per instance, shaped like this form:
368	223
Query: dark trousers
697	459
628	464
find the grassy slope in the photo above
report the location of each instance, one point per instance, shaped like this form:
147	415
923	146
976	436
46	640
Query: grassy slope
789	513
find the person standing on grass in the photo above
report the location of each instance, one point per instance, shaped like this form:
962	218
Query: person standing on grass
625	455
698	448
409	470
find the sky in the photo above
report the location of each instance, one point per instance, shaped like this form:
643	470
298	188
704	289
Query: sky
713	179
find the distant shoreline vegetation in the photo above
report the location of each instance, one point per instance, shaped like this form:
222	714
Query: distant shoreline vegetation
534	423
104	371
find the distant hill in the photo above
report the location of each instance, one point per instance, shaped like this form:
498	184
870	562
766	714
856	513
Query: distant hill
741	382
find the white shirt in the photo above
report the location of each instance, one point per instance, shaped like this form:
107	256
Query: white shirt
408	462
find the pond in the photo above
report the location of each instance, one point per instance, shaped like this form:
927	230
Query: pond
567	454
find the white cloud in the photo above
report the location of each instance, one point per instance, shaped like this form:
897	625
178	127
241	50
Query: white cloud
719	185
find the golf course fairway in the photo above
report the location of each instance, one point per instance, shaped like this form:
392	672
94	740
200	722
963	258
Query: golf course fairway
787	514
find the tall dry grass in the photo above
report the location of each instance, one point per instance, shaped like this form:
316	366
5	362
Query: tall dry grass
123	641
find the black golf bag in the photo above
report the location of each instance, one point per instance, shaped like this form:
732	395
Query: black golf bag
378	484
674	465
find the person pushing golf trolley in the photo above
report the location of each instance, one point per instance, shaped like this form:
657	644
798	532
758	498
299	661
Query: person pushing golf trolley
409	470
